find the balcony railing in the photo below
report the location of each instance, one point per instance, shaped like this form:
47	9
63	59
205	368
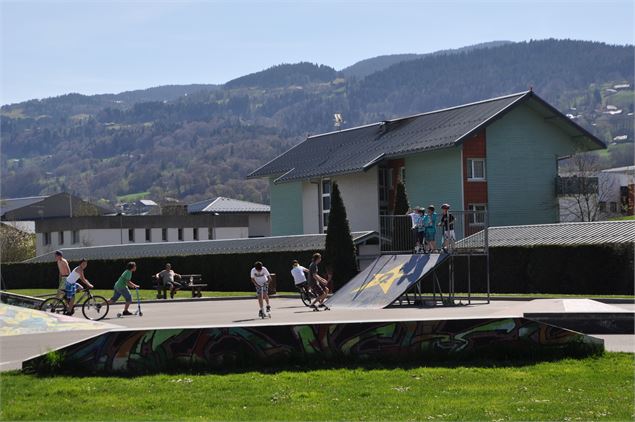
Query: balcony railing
399	235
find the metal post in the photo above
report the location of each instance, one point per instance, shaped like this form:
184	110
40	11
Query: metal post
486	238
469	281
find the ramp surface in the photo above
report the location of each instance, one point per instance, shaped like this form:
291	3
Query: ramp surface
383	281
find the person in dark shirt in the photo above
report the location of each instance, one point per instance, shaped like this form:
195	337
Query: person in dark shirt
317	283
447	224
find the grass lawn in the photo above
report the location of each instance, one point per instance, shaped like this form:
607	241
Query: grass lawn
589	389
623	218
144	293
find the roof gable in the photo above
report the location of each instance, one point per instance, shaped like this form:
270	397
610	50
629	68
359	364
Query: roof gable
226	205
357	149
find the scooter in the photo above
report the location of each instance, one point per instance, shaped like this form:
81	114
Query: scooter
138	311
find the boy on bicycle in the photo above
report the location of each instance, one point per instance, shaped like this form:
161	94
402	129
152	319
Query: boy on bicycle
70	285
121	287
299	277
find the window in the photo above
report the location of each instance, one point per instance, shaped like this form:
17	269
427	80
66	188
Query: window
195	233
384	184
210	233
326	203
75	236
476	169
476	218
47	238
613	206
60	237
402	175
164	235
148	235
180	234
602	206
130	235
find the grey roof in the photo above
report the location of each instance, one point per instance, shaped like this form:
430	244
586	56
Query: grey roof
227	205
308	242
357	149
10	204
561	234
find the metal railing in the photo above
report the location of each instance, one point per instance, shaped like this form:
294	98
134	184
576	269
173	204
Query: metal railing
399	234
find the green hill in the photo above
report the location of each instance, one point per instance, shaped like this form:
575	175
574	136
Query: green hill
197	141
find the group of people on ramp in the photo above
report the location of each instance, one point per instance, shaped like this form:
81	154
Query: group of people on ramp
424	229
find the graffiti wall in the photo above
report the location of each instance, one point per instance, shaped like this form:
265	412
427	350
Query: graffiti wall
148	351
20	300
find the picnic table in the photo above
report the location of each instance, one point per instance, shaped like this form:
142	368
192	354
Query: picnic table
193	282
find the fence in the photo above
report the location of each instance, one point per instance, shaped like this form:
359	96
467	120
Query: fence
398	233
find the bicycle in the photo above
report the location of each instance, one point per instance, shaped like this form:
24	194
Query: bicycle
306	294
94	307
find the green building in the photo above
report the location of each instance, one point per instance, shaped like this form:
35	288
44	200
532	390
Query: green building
499	155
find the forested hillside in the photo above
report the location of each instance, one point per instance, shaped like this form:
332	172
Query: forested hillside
197	141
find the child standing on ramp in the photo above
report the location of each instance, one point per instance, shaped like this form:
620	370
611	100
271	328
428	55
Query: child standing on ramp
261	278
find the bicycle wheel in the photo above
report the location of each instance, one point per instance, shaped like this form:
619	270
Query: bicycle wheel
306	298
53	305
95	308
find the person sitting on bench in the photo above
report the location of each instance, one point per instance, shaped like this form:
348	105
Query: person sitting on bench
166	277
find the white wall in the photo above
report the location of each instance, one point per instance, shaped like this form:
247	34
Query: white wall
310	208
259	225
361	199
231	232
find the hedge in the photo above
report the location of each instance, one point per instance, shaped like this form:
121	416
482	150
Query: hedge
603	269
221	272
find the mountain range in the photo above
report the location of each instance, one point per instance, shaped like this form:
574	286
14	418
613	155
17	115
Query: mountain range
191	142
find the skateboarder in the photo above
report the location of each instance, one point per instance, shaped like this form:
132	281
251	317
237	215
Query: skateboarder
261	278
121	287
317	283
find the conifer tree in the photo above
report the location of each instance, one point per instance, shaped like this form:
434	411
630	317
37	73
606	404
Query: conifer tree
340	253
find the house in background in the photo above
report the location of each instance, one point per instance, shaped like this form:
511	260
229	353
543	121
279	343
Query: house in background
499	155
139	207
600	195
65	221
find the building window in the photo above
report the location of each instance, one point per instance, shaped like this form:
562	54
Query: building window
195	233
47	238
75	236
402	175
613	206
60	237
130	235
602	206
164	235
326	202
210	233
148	235
180	234
476	169
476	218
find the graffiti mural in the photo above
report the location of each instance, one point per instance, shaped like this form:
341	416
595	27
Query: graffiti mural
148	351
20	300
15	320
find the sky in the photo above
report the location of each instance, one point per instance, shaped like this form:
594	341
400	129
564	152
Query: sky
51	47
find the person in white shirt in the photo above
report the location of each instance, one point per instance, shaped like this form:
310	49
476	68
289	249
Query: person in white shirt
71	285
261	278
299	278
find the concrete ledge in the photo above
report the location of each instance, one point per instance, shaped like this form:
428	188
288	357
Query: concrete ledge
591	323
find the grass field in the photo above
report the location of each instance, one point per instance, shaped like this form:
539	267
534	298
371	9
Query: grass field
590	389
623	218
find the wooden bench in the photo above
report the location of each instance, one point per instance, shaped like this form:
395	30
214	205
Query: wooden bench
187	281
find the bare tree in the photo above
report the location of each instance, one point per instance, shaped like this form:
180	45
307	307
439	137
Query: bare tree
583	189
15	244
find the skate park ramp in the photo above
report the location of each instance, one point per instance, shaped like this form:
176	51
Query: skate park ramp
383	281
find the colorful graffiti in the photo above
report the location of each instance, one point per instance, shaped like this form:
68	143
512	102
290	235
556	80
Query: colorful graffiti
151	351
15	320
